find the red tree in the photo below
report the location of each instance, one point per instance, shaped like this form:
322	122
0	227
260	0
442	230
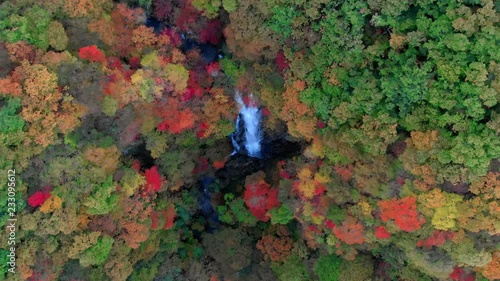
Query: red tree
436	239
403	212
153	180
382	233
259	196
37	198
91	53
459	274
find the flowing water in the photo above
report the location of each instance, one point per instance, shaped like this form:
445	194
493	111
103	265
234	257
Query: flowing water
248	135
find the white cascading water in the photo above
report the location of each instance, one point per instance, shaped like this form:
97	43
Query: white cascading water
251	116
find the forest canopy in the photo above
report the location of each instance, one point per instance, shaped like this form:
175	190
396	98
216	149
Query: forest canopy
380	123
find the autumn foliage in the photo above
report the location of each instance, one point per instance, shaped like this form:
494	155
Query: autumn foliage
153	180
259	196
38	198
91	53
403	212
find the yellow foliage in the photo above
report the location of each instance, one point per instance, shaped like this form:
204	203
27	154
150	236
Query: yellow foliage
131	181
177	75
53	203
444	217
432	199
307	185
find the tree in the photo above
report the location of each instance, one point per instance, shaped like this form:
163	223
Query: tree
403	212
259	196
91	53
327	267
38	198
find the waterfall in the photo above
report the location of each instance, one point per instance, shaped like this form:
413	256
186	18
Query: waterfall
248	132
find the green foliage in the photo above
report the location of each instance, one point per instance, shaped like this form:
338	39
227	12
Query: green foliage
232	68
210	8
281	215
4	267
235	211
109	106
293	269
146	4
32	27
97	253
103	200
10	122
282	19
328	268
230	5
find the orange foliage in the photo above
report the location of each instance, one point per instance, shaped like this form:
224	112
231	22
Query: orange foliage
299	117
51	204
219	164
134	233
492	269
275	248
10	87
488	185
143	37
403	212
20	51
175	119
424	140
345	173
85	8
40	103
351	232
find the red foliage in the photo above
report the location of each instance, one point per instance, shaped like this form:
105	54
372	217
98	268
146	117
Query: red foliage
382	233
403	212
188	16
330	224
249	101
153	180
436	239
281	62
37	198
91	53
135	62
260	197
115	63
459	274
175	38
265	112
175	119
211	33
321	124
320	189
169	215
213	68
136	165
202	127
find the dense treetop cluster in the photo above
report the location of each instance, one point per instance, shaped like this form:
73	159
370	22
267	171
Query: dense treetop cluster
116	116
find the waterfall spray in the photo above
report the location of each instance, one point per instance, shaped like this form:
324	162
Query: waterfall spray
248	129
